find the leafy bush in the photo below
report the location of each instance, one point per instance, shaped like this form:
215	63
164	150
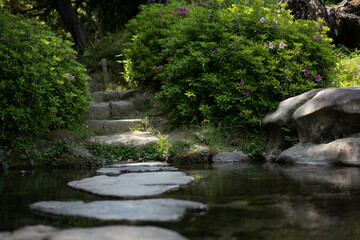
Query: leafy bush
226	63
348	70
42	85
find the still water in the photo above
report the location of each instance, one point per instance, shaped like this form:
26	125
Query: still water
246	201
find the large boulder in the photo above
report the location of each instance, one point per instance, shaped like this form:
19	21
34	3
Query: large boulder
343	19
318	117
345	23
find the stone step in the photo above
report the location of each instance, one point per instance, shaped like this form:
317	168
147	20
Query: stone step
124	109
136	138
111	110
113	95
112	126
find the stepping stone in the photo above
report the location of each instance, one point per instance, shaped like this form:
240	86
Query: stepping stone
119	232
129	210
99	111
133	185
136	138
134	169
138	164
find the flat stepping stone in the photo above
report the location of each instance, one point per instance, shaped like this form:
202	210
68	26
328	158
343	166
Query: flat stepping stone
119	232
137	164
113	95
133	185
137	138
134	169
128	210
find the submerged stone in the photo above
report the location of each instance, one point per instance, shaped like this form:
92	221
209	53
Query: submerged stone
133	185
120	232
128	210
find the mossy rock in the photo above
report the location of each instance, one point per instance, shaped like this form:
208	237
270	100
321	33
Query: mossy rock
196	155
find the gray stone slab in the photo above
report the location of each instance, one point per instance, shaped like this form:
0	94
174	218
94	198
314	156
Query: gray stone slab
134	169
137	164
135	138
121	109
133	185
117	126
128	210
98	111
119	232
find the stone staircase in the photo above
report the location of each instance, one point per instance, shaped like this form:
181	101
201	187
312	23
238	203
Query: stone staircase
113	116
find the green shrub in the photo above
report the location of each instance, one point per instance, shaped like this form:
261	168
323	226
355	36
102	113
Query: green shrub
231	64
42	85
347	70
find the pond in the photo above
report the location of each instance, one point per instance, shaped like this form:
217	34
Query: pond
246	201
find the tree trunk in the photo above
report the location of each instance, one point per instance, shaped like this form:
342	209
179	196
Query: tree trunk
73	24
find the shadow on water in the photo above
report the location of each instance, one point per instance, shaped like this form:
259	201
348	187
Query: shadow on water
246	201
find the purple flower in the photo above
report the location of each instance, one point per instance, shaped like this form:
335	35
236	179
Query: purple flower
11	20
271	45
28	69
167	57
307	72
70	76
277	29
248	94
183	10
171	13
317	78
160	15
159	68
216	49
318	37
281	45
340	53
262	20
265	45
275	21
241	83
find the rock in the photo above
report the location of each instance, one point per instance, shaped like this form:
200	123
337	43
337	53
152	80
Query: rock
63	135
230	157
99	111
200	137
196	155
112	126
317	117
282	117
331	111
38	232
128	210
136	138
104	233
135	169
120	109
308	10
342	151
343	19
139	164
345	23
133	185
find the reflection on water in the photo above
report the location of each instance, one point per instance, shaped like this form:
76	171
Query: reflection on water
246	201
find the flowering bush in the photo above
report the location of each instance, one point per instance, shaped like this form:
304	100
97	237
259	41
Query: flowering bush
226	63
41	85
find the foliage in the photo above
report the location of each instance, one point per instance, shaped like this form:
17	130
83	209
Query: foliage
114	153
233	64
347	70
42	85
